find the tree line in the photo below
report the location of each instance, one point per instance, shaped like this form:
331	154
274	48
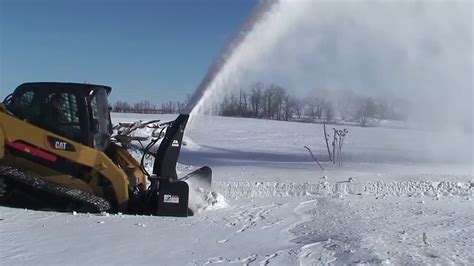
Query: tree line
270	101
145	107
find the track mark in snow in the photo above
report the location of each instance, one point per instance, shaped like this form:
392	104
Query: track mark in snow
267	259
311	253
253	215
356	231
216	260
245	261
278	221
328	231
244	228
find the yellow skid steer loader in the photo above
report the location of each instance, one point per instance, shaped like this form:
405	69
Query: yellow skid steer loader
58	152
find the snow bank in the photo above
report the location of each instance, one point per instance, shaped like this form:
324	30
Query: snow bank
408	188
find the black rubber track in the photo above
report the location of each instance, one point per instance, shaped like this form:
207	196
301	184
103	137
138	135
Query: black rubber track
12	178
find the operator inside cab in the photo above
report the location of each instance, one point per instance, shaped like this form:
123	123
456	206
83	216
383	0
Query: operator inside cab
57	118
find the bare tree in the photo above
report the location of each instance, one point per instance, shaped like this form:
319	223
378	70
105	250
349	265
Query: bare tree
168	107
267	102
121	107
312	105
316	104
180	107
289	106
256	98
366	111
243	104
277	101
298	106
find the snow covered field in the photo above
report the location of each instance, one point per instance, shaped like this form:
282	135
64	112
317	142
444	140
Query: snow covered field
403	196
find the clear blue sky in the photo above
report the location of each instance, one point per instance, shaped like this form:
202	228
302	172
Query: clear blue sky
146	50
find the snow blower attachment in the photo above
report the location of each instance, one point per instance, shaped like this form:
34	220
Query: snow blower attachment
167	195
171	193
58	151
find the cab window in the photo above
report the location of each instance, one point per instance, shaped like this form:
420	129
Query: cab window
62	115
100	118
24	107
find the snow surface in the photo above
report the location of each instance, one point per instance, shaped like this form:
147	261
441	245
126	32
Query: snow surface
403	196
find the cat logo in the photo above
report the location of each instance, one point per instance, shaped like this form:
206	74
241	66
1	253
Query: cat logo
175	143
60	145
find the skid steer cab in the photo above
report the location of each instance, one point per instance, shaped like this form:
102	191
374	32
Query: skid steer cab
59	150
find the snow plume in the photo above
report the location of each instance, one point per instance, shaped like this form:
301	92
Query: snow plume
418	50
208	91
